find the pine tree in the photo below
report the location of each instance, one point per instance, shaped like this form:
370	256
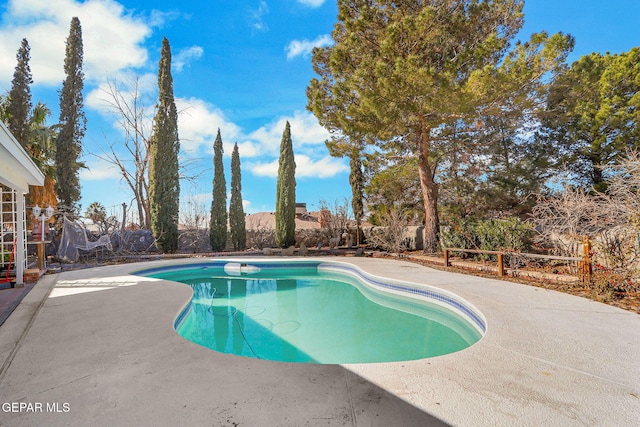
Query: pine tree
286	193
164	184
402	72
19	104
594	115
73	122
236	212
218	221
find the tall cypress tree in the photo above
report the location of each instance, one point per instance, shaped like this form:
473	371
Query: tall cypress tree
164	183
237	222
286	193
73	122
356	179
218	221
20	96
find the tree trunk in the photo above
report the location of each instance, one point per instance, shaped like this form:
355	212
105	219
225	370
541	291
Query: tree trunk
142	217
429	193
145	203
124	218
142	203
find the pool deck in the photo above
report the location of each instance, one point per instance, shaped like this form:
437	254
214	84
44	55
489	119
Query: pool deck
97	347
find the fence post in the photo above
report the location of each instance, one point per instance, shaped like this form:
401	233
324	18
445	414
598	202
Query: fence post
446	257
500	264
587	269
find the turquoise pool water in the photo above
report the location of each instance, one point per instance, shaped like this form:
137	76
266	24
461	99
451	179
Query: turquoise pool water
301	314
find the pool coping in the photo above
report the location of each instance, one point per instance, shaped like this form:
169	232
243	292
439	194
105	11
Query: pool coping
546	358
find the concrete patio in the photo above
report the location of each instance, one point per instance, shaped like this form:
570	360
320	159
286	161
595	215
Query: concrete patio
97	347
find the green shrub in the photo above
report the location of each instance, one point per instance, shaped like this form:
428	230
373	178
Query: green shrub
509	234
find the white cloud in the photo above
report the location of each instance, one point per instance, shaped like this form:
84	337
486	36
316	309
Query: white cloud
304	47
305	130
325	167
183	57
198	123
256	21
311	3
112	37
158	18
198	120
99	170
246	149
264	169
127	87
306	167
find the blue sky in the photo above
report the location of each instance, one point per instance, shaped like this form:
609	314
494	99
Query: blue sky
241	66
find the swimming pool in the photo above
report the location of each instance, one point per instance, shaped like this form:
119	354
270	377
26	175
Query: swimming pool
318	312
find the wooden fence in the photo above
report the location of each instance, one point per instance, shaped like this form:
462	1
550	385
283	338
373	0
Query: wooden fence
585	268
